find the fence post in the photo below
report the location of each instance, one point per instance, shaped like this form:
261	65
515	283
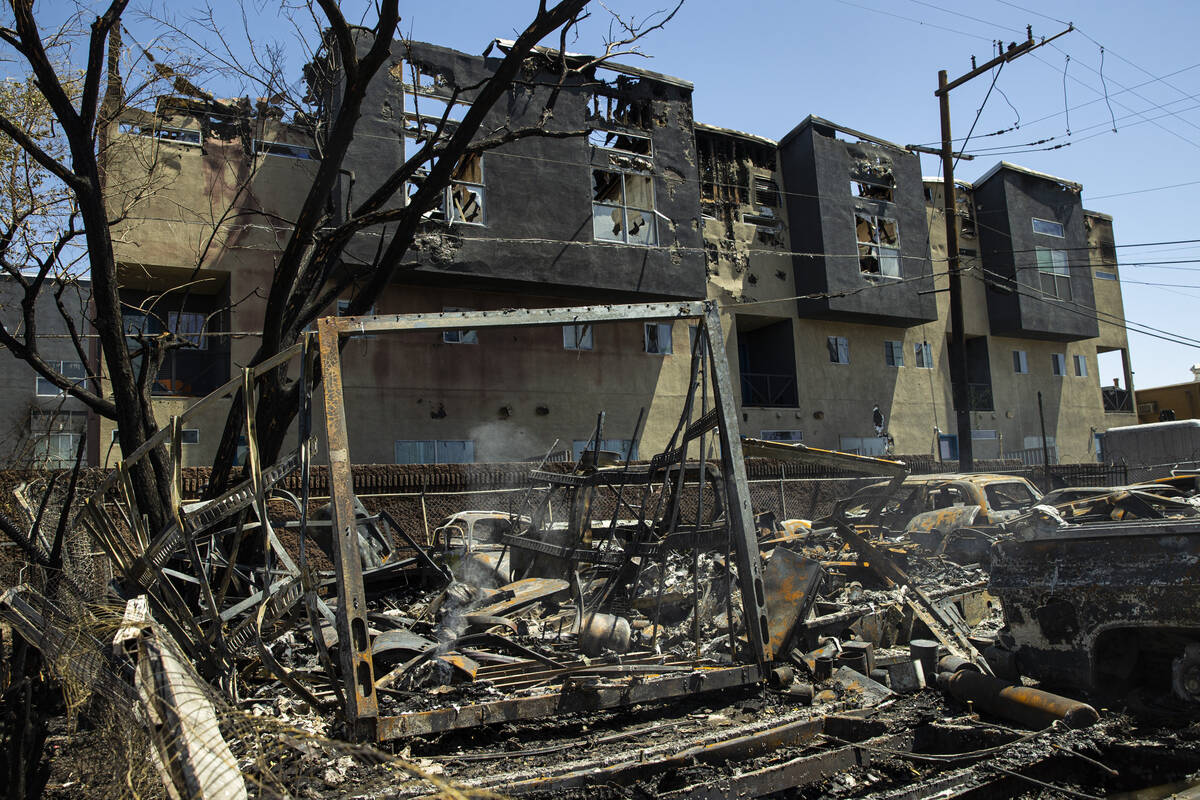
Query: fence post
782	497
424	511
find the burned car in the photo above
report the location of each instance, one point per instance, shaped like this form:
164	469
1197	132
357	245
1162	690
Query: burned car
942	503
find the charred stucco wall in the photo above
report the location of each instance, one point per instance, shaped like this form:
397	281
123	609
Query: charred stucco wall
536	230
1007	202
818	169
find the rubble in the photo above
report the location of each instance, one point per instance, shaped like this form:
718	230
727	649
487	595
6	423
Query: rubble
668	638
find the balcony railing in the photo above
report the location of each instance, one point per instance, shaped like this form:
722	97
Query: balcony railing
768	389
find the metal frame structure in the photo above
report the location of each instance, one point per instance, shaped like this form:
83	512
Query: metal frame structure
361	704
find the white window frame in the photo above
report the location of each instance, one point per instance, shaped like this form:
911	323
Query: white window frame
661	330
1054	225
1058	365
1056	266
876	248
923	355
266	147
44	388
1080	366
622	204
839	349
58	456
577	337
893	353
435	446
1020	362
463	335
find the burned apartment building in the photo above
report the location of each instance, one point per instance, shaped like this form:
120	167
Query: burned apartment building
838	288
824	251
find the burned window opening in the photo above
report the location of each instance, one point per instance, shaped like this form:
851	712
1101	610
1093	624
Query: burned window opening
878	245
623	208
464	200
177	135
870	190
619	110
621	142
766	193
285	149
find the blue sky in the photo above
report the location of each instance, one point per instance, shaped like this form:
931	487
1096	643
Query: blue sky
763	66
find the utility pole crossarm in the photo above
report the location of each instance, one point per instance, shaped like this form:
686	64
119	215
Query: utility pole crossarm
1008	55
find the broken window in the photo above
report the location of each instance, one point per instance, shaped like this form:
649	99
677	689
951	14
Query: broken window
284	149
577	337
464	197
871	190
178	135
623	208
966	216
658	338
878	245
923	355
893	353
1020	362
456	337
619	110
435	451
1080	366
622	142
73	370
1058	365
1048	227
1054	273
839	349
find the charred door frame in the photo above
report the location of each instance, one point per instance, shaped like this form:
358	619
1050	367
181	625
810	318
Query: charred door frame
362	708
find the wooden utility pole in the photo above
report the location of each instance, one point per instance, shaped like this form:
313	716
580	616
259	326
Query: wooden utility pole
958	342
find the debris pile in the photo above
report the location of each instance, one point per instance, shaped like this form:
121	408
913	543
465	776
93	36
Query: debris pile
638	624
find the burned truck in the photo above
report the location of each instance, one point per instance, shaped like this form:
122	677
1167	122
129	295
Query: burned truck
1112	608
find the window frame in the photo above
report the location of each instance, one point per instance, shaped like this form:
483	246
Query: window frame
1062	230
1058	273
1020	362
893	352
875	247
1058	365
650	214
660	327
922	355
458	336
61	368
838	346
578	340
1080	363
436	444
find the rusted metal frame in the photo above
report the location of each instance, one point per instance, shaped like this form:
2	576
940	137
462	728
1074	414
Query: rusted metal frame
794	773
312	606
354	647
737	491
946	629
571	698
